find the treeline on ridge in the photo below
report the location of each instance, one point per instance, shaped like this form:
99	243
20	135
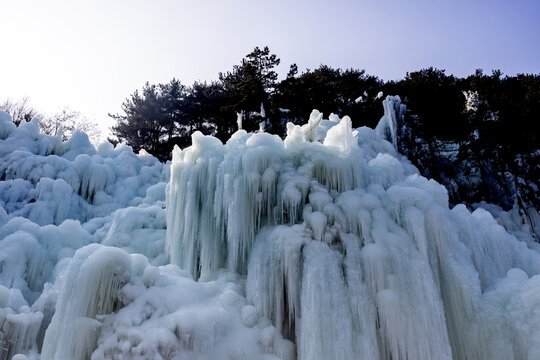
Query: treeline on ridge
476	135
162	115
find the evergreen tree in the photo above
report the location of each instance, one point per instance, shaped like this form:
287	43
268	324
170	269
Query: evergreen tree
250	84
207	105
151	118
329	91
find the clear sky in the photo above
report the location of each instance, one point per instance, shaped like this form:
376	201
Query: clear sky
91	55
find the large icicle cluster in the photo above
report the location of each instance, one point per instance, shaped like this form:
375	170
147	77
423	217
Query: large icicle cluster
347	250
82	276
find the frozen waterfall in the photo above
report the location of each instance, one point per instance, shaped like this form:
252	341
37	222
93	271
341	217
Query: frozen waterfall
327	244
347	250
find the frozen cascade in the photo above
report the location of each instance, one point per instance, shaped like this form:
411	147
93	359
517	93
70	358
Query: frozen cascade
327	244
277	273
324	334
347	250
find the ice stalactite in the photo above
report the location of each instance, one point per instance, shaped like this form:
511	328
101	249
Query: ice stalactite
225	196
325	326
273	282
534	219
362	307
239	119
232	190
387	128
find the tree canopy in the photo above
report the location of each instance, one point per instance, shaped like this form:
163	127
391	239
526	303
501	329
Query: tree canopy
482	127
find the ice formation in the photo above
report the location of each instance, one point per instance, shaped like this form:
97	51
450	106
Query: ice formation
324	245
347	250
90	288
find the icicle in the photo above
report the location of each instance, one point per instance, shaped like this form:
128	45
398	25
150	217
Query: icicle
239	119
363	311
387	126
325	328
273	283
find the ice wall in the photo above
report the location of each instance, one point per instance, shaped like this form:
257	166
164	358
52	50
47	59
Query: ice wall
325	245
347	250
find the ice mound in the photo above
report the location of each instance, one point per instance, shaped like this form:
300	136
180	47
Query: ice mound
48	181
92	280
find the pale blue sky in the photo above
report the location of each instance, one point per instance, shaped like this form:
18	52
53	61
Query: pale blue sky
91	55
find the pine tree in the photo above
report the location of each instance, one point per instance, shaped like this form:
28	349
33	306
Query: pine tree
250	84
151	118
